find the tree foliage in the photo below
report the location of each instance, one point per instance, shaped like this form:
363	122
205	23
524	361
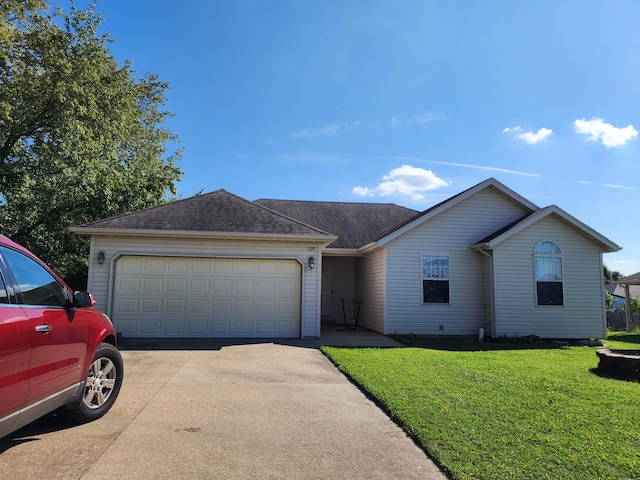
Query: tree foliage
609	303
611	276
81	138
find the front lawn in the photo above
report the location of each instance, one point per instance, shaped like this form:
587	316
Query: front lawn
505	411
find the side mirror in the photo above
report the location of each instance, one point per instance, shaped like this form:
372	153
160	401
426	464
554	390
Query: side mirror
83	299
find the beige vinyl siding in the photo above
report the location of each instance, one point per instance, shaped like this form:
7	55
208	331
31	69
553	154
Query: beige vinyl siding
101	281
450	233
517	312
370	272
488	294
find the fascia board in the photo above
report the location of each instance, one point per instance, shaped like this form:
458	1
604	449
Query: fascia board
596	237
342	252
324	239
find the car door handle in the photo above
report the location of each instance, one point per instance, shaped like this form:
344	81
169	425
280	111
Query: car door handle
43	328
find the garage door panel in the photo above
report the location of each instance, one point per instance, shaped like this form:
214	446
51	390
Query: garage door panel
199	286
266	288
265	307
287	308
170	296
150	327
222	306
288	288
201	265
126	305
177	285
151	305
223	286
152	285
243	328
222	266
153	265
242	306
244	287
199	306
173	327
175	306
197	327
177	266
265	327
130	265
128	284
221	328
267	268
128	327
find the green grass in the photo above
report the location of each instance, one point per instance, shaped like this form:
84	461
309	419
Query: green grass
506	411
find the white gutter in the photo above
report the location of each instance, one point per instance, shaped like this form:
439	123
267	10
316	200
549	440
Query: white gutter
325	239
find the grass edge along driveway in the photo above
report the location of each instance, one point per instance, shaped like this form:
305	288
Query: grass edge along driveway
506	411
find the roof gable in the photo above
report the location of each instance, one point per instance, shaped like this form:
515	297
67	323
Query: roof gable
219	212
455	200
630	280
355	224
510	230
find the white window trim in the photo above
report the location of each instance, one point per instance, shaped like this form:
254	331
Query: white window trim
422	277
535	272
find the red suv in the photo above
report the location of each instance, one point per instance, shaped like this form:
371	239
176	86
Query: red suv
55	350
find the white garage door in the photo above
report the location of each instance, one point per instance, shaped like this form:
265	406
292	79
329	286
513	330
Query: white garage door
207	297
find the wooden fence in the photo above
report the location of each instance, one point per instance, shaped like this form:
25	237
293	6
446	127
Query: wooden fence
617	321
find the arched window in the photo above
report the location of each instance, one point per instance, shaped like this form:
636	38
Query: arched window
548	268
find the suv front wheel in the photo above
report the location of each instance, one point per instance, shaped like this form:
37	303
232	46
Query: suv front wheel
102	386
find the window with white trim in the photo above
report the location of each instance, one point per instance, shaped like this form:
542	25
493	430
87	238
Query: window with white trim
548	268
435	278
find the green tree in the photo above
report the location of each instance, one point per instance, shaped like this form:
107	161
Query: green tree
608	298
81	138
635	306
611	276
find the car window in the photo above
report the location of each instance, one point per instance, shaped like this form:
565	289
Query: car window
4	298
37	285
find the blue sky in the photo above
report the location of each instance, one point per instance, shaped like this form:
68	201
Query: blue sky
401	101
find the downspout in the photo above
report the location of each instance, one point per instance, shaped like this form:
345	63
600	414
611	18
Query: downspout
492	292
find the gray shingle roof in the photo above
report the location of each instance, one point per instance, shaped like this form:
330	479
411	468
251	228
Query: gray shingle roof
631	279
618	290
219	211
355	224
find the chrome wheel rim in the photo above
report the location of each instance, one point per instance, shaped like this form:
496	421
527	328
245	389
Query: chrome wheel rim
101	381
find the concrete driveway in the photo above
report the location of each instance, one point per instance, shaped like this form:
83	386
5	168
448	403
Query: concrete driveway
214	409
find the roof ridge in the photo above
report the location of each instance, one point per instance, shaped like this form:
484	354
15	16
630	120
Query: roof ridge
172	202
270	210
332	202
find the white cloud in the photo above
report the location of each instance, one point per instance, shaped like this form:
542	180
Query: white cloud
405	181
607	134
530	137
420	119
621	187
608	185
305	157
477	167
329	130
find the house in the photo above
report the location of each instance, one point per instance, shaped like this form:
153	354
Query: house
617	291
217	265
629	282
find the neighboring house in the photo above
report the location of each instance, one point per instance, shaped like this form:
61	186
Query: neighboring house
217	265
617	292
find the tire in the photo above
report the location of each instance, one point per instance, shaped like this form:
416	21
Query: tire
103	382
